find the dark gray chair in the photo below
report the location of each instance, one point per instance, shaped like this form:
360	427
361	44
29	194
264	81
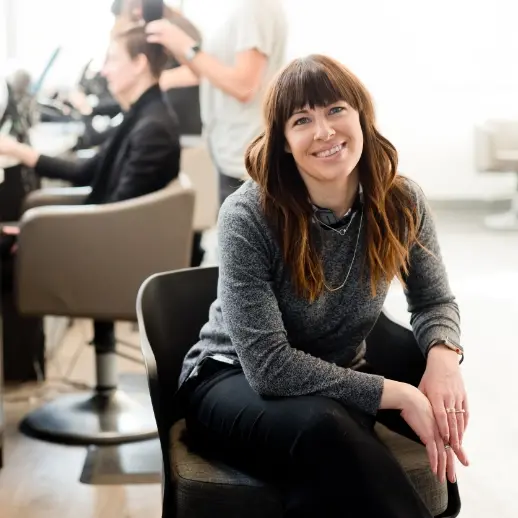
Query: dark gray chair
171	309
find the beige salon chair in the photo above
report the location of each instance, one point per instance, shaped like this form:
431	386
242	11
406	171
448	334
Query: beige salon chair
496	150
198	166
88	261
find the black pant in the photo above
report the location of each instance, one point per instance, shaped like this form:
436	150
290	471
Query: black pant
325	457
198	252
227	186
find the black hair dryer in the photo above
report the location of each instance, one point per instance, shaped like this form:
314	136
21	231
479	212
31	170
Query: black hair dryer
152	10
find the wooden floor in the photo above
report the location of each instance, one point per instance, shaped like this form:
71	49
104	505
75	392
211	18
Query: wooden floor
41	480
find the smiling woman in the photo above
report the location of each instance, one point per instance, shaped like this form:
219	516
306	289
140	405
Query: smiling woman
299	295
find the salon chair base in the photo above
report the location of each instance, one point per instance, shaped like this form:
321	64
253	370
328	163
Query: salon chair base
86	419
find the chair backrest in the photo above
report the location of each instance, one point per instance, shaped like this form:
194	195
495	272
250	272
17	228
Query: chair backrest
496	145
127	241
171	309
197	164
186	104
505	133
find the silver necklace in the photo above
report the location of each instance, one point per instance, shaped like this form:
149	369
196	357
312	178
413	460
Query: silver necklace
342	231
354	256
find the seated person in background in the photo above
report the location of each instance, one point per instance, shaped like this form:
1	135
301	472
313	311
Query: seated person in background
143	154
185	103
185	100
308	250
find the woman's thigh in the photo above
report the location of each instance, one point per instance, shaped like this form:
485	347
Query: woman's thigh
271	436
319	453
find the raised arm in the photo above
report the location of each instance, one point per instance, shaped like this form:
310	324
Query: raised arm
179	77
242	79
254	321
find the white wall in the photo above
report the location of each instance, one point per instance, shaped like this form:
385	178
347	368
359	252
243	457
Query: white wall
3	30
81	27
433	68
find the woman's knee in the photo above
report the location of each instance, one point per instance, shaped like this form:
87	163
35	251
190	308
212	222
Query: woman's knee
329	428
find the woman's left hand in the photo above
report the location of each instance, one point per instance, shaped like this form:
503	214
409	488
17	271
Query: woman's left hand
443	385
170	36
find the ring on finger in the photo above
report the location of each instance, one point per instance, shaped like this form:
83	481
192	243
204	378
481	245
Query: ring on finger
455	411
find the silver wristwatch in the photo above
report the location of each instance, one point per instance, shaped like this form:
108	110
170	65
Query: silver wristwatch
191	53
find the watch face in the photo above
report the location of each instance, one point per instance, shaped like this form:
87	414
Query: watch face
191	53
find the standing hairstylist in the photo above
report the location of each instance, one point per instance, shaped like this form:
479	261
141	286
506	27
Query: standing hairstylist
238	59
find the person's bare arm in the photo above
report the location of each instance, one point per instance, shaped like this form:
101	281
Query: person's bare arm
242	81
179	77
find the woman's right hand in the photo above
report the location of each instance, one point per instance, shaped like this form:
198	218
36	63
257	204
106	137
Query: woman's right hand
417	411
8	145
169	36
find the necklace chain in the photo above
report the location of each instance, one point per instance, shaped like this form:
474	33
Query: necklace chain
354	254
342	231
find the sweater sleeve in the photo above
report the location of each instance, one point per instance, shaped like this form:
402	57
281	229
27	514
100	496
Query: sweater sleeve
255	325
434	312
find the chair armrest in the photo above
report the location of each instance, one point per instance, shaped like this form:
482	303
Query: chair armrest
56	196
89	261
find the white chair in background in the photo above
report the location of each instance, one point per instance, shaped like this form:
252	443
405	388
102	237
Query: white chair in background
496	150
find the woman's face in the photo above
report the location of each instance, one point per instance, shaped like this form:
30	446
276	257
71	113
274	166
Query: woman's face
326	142
121	71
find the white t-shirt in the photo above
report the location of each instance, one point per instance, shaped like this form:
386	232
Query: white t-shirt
230	125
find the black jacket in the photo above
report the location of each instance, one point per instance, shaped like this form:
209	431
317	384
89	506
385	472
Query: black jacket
141	156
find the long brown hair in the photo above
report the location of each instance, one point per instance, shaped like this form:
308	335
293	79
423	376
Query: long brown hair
389	210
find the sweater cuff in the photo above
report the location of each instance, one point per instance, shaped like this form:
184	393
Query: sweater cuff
368	389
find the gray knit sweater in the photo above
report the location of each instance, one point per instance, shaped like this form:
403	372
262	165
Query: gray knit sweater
289	347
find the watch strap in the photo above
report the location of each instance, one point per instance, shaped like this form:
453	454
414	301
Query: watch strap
450	344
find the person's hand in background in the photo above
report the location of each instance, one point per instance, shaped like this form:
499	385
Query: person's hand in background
80	102
10	230
8	145
169	36
24	153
